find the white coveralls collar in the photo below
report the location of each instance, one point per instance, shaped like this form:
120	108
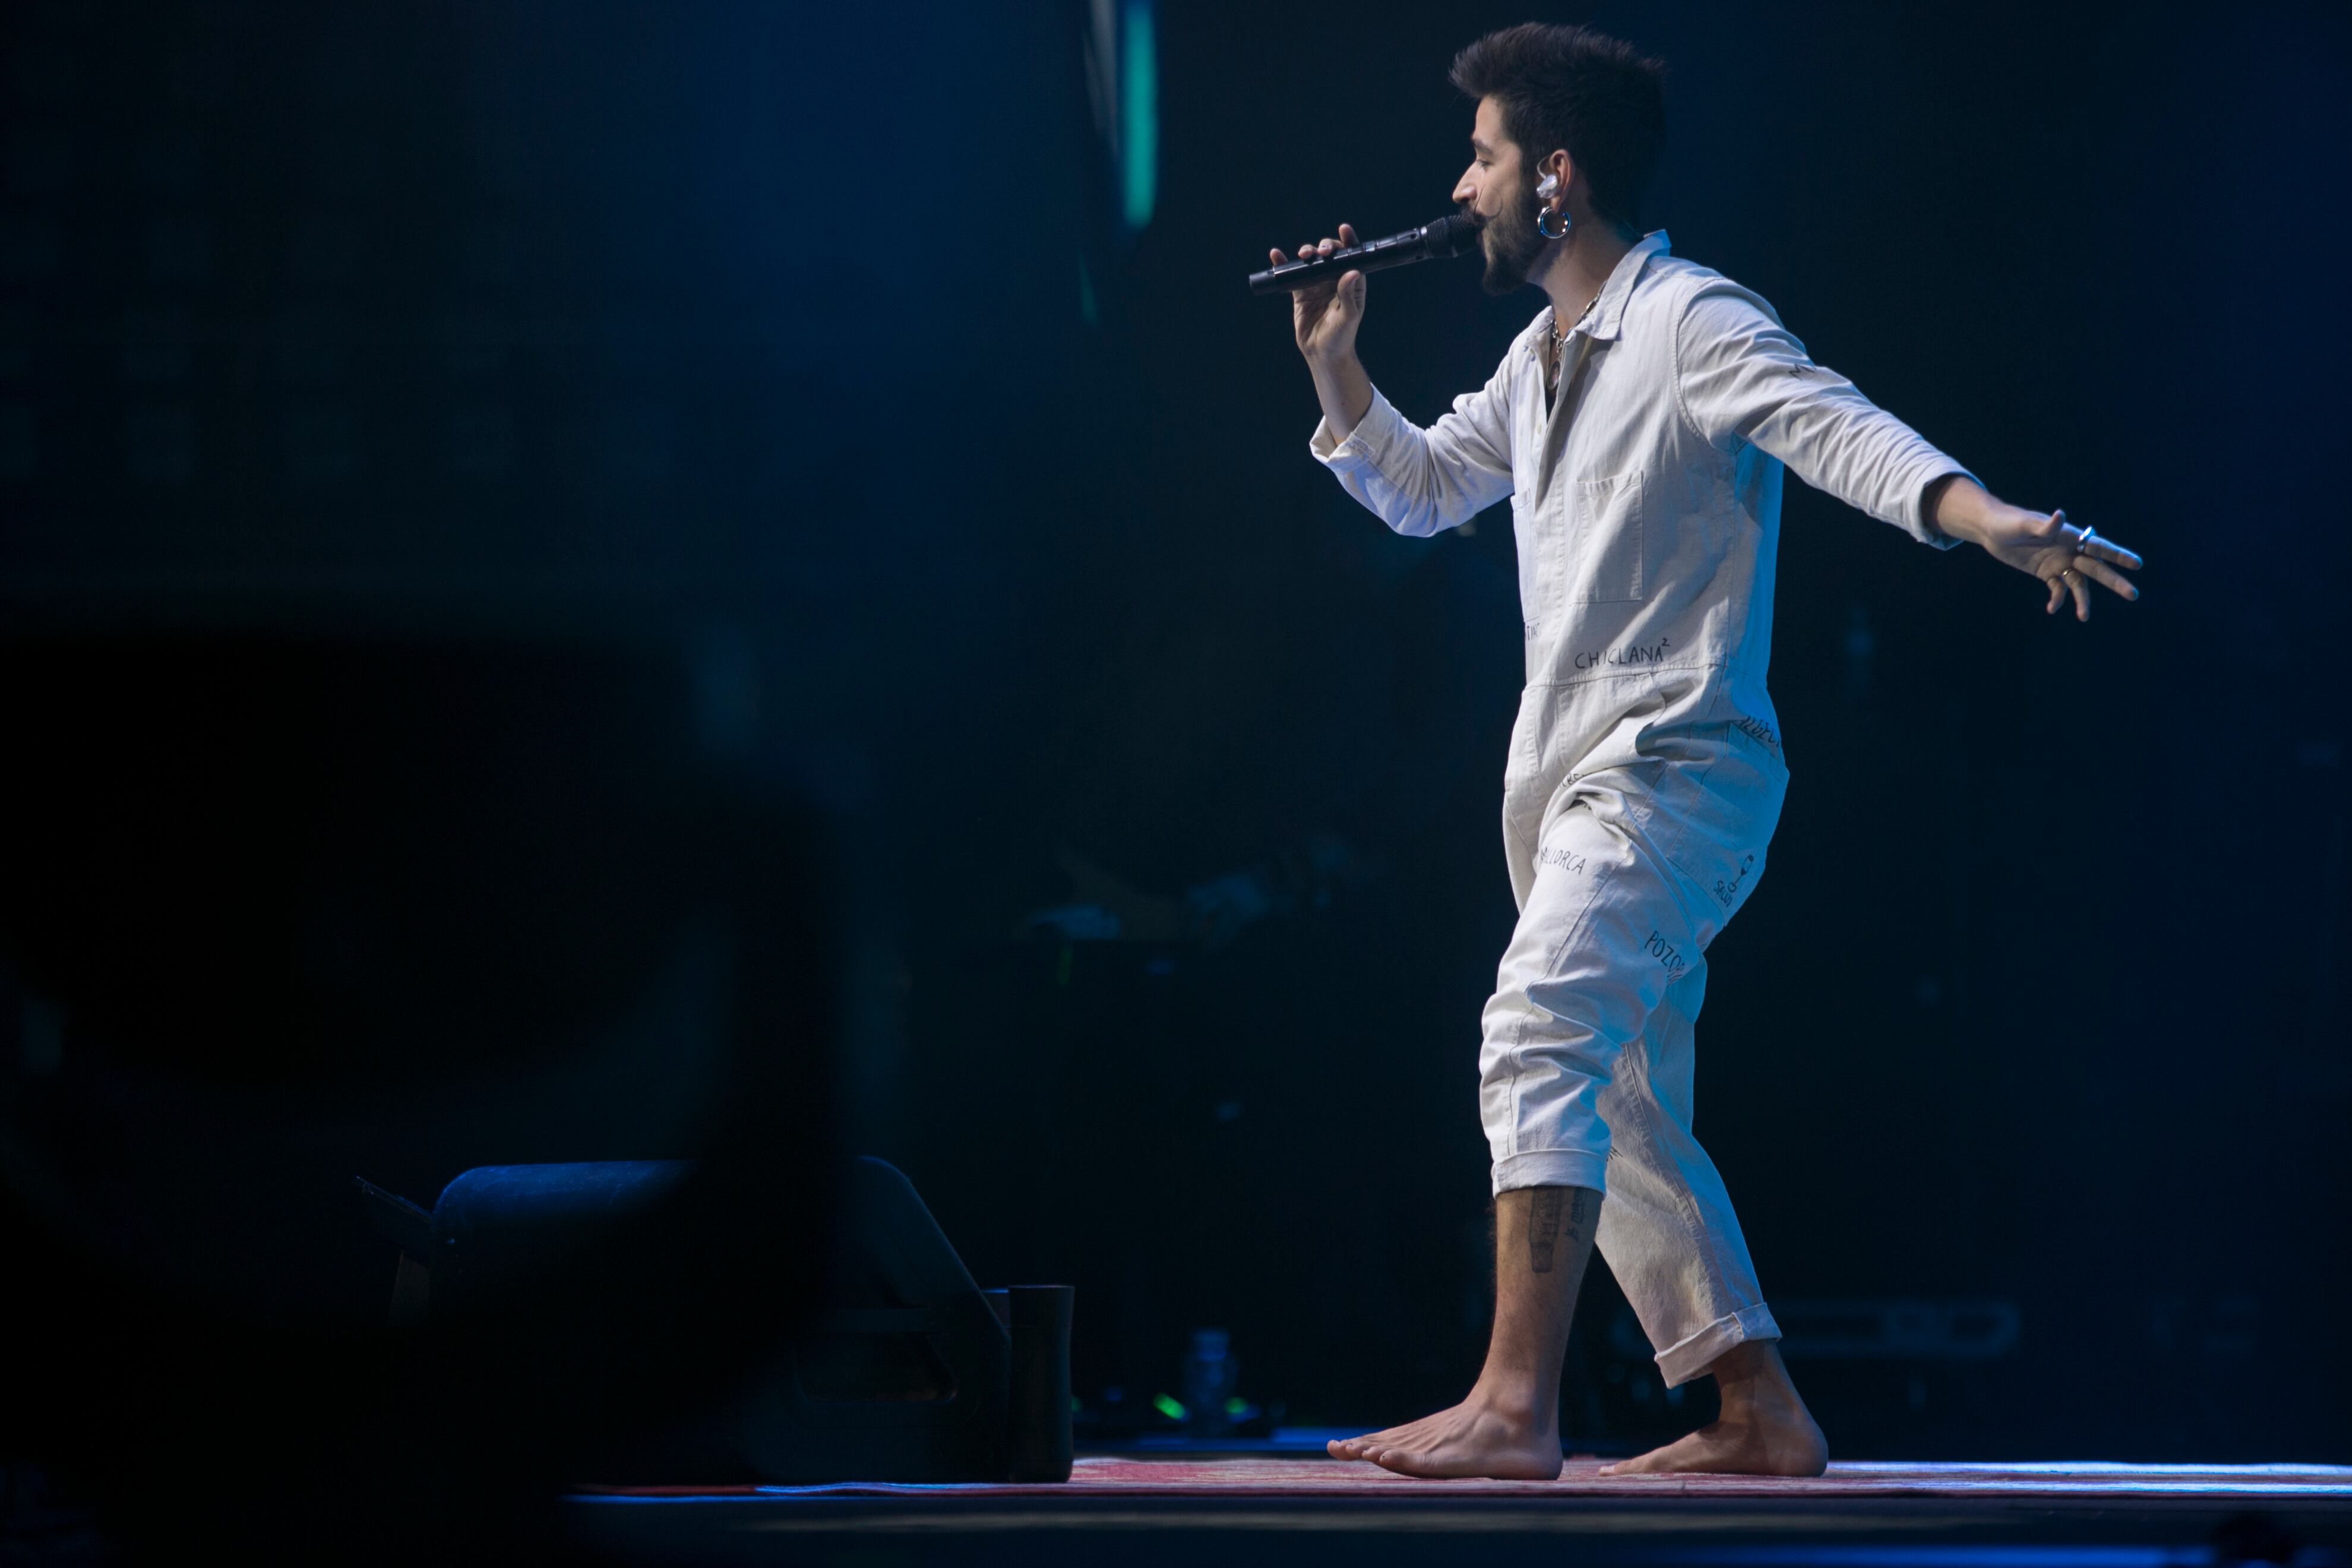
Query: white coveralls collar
1608	313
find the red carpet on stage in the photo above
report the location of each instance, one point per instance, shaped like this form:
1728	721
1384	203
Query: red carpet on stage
1304	1478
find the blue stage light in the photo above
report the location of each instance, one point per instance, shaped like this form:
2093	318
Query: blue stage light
1139	99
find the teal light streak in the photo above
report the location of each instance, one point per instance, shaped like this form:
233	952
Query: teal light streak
1139	97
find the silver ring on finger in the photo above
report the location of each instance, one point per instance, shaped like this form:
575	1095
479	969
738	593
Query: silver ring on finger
2090	537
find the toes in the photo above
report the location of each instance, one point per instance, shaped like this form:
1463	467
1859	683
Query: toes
1361	1448
1387	1438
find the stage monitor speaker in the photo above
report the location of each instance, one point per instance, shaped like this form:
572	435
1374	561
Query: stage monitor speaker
908	1371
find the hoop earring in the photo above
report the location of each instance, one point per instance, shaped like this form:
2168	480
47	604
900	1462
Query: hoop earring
1542	213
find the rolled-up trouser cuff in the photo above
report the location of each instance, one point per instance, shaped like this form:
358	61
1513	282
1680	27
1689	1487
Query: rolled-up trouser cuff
1552	1168
1685	1359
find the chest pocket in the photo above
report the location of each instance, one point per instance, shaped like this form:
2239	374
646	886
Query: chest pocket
1603	541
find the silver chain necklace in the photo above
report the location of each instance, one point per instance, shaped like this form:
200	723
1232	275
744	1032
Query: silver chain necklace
1559	338
1559	333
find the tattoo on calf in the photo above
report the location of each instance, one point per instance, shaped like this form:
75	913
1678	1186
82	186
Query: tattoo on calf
1543	1224
1546	1210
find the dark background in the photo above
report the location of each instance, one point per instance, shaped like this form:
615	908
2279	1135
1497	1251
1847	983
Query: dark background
815	345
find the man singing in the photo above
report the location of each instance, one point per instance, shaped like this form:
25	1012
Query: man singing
1639	426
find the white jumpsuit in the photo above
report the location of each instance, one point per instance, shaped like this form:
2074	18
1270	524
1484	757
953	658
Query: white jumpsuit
1645	774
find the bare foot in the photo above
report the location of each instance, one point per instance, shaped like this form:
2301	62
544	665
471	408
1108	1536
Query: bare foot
1510	1427
1748	1449
1765	1429
1474	1439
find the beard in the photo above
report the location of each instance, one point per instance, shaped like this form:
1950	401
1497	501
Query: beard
1511	245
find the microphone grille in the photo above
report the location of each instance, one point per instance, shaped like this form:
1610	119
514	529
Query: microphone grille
1450	236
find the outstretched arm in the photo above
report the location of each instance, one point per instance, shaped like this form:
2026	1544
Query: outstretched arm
2066	558
1743	378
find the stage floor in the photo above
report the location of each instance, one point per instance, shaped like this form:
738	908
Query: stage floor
1148	1510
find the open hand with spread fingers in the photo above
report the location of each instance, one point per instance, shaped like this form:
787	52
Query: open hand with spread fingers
2066	558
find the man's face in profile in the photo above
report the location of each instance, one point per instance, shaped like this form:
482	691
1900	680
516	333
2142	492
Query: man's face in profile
1499	189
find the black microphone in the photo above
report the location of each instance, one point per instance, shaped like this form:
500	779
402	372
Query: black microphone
1431	242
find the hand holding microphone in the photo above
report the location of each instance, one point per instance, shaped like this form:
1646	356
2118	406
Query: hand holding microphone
1325	309
1326	285
1325	280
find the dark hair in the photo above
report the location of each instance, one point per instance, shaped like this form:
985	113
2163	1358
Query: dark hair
1576	88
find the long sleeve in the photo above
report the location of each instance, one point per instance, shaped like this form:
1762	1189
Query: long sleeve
1419	481
1741	377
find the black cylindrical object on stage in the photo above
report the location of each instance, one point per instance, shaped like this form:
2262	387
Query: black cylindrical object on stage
1037	1445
